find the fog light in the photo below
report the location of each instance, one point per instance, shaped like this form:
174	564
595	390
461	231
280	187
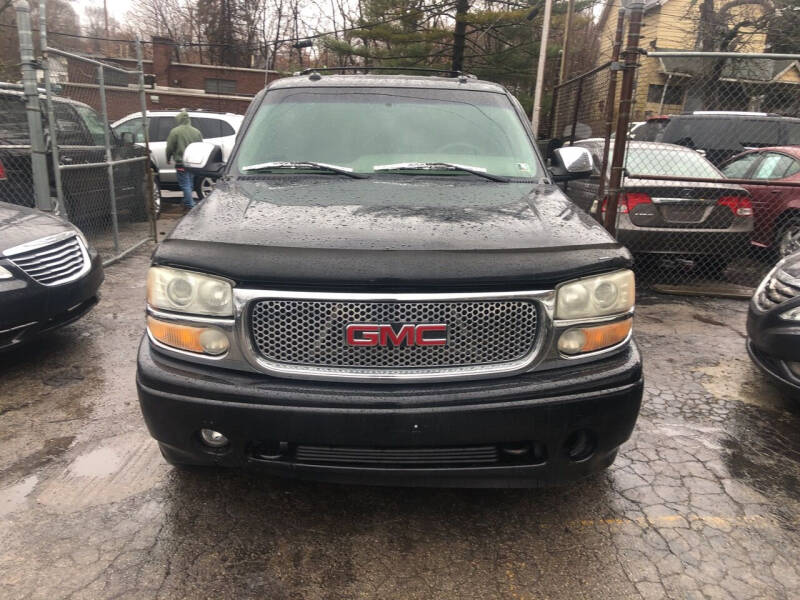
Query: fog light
214	341
212	438
572	341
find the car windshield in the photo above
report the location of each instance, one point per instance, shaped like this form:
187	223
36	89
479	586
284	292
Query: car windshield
364	128
668	162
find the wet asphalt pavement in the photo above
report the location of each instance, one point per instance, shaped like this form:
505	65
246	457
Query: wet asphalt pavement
703	502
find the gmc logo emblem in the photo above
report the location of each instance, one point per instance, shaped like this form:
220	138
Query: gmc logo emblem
386	334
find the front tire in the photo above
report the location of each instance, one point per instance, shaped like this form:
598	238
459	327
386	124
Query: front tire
788	239
203	187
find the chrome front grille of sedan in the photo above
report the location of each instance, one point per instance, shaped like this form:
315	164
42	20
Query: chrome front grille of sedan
780	288
52	261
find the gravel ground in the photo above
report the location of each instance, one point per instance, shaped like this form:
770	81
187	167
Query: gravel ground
703	502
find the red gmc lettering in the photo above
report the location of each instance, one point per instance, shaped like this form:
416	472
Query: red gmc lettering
382	334
431	340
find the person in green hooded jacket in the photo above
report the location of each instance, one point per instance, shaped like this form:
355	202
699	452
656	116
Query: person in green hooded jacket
181	136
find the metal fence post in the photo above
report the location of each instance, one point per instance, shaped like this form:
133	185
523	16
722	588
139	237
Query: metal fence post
610	100
51	119
625	104
112	194
576	111
146	130
41	179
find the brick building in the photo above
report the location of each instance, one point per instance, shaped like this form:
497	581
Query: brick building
169	85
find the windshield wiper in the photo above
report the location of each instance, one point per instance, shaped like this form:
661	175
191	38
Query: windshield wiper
438	166
304	164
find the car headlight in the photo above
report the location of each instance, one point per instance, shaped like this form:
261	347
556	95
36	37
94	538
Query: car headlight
793	314
189	292
598	296
5	273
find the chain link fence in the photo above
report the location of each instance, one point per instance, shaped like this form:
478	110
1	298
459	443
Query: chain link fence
59	152
707	188
104	183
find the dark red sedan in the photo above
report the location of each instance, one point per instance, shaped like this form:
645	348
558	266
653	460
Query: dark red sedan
776	209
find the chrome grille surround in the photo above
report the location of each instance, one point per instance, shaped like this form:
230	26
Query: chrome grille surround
532	310
777	288
53	260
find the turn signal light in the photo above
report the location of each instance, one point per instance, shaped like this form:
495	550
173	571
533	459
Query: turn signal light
739	205
579	340
202	340
628	201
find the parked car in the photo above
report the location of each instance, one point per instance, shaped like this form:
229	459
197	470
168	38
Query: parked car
705	222
773	324
375	292
719	134
49	276
776	208
81	139
217	128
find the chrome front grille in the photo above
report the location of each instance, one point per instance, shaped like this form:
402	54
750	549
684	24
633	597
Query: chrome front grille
780	288
482	334
52	262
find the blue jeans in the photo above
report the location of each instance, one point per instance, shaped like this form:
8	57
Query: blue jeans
186	183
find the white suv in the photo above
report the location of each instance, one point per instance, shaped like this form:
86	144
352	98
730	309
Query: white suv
217	128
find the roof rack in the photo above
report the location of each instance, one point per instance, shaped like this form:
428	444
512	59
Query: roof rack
450	72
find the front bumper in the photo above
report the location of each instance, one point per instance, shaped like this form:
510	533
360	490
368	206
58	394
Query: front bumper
29	309
269	419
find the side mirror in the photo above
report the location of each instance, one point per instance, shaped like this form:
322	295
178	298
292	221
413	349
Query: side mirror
204	159
700	151
571	162
126	137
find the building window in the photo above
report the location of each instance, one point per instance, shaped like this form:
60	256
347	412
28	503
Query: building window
220	86
674	94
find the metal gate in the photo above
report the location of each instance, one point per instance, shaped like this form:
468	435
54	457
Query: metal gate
82	170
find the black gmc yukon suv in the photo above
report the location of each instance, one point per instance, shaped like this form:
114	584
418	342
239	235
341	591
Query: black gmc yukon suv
387	287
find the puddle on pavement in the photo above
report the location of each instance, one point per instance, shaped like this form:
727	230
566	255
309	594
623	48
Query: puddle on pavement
118	468
98	463
13	497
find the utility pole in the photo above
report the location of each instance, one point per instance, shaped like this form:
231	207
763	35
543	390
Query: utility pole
537	94
636	9
41	179
105	16
460	34
562	72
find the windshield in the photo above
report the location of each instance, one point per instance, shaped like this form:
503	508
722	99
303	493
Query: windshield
361	128
668	161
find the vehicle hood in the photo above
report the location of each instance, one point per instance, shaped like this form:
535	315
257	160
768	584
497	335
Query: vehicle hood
19	225
319	228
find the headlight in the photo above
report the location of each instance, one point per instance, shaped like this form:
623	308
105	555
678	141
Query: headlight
185	291
598	296
793	314
5	273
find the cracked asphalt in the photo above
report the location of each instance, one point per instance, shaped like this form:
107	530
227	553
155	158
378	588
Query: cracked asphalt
703	502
